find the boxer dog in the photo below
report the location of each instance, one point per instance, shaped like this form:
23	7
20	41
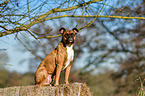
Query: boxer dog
57	60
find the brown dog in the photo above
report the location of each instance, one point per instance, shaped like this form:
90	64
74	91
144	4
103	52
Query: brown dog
59	59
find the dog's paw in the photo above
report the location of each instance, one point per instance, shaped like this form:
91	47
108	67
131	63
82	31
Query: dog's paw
46	84
56	85
66	82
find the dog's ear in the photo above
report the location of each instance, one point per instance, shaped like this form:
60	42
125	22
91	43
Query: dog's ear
75	30
62	30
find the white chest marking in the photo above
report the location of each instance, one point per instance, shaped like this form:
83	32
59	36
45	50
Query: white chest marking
70	55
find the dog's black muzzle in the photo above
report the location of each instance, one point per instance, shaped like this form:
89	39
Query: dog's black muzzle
70	39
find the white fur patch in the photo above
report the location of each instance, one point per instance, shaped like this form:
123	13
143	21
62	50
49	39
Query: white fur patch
70	55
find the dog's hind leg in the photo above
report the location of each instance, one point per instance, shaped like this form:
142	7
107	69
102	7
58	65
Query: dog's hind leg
47	80
42	78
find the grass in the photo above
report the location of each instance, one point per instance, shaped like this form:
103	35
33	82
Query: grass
141	91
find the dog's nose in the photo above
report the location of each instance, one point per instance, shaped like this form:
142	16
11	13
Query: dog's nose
70	39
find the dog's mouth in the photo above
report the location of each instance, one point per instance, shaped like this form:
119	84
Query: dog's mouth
71	41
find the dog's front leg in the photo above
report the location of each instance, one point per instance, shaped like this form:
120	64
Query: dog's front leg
58	70
67	72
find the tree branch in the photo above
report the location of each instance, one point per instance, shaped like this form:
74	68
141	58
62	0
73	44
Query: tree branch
4	3
49	36
43	16
11	31
94	16
115	36
29	49
25	27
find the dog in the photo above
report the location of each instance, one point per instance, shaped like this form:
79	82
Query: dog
59	59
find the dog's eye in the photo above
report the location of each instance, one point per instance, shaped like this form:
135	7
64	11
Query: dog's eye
66	35
72	34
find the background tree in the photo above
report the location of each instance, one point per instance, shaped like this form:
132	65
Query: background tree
111	33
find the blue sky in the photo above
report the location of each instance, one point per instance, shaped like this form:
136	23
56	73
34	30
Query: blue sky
15	56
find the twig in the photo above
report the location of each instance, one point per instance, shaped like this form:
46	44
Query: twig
28	48
49	36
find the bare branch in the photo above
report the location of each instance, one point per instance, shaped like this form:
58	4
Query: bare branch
42	17
49	36
115	36
11	31
28	49
4	3
94	16
3	27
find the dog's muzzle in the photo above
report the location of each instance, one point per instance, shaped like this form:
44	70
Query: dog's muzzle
70	40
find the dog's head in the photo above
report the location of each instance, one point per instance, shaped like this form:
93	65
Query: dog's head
68	36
